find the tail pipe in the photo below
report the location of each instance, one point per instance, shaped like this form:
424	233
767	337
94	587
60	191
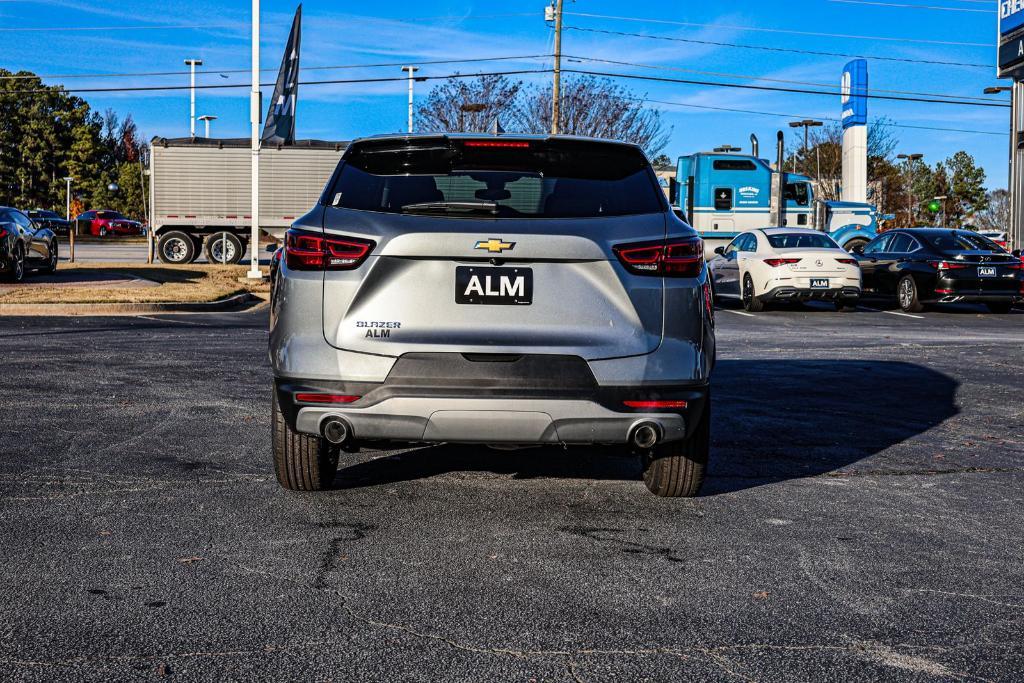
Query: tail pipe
645	435
336	430
753	145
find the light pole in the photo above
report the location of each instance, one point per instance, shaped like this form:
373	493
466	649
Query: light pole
206	118
1013	173
192	64
255	117
412	70
806	124
556	83
911	158
72	229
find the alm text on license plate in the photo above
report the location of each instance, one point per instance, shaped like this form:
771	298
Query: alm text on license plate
501	286
819	283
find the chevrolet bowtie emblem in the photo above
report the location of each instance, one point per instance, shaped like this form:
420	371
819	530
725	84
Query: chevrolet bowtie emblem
494	246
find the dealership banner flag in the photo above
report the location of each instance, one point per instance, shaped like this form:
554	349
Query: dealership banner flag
280	126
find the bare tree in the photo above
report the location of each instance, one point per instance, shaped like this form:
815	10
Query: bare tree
599	108
996	215
471	105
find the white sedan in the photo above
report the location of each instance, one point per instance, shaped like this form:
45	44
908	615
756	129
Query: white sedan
785	264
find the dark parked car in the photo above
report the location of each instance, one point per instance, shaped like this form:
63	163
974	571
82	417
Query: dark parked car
24	246
51	220
933	265
102	223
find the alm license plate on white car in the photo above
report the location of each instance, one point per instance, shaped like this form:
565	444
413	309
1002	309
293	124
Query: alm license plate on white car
819	283
501	286
986	271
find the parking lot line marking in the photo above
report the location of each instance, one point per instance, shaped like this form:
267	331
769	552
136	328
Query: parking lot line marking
171	320
729	310
905	315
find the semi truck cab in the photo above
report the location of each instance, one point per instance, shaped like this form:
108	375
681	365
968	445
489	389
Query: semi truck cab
722	194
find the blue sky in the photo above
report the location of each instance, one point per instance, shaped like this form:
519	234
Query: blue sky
341	33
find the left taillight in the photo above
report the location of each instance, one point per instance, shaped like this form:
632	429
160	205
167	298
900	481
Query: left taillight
682	257
312	251
3	232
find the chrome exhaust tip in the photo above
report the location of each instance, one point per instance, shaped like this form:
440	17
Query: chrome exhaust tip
645	435
335	430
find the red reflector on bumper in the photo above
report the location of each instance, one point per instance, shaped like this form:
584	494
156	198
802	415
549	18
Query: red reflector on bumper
655	404
325	398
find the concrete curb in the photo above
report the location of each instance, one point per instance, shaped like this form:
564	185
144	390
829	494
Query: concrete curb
229	304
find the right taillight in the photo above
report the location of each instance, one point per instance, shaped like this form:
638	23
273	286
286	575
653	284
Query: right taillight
947	265
847	261
312	251
681	257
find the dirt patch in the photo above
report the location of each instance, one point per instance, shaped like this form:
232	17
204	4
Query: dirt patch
98	283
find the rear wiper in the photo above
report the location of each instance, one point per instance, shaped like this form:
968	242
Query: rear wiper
449	207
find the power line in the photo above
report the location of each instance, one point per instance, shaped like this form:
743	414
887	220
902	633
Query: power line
776	80
875	122
780	30
211	72
818	53
773	88
906	6
225	86
151	27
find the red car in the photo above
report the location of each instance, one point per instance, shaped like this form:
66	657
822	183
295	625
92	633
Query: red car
105	222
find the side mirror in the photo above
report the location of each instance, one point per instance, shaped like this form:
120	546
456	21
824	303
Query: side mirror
271	248
720	250
859	249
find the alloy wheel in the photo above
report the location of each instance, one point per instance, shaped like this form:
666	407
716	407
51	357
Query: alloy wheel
906	293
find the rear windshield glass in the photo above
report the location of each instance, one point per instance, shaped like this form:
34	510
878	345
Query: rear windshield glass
801	240
959	241
503	179
109	214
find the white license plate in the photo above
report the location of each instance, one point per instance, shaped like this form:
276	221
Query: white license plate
986	271
819	283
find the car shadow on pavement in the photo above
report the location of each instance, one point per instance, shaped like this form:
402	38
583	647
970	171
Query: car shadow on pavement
772	420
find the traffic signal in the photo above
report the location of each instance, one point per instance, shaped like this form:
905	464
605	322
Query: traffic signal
934	206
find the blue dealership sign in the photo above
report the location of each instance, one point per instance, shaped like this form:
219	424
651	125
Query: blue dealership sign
854	92
1011	15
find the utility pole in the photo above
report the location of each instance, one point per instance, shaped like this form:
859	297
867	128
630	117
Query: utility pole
192	64
412	70
806	124
72	228
255	118
556	87
911	158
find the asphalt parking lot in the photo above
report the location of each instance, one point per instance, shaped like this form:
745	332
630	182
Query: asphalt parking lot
862	520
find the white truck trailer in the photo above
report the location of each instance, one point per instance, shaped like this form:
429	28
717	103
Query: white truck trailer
199	192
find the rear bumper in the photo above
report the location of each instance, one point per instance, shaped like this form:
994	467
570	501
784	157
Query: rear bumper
522	415
787	293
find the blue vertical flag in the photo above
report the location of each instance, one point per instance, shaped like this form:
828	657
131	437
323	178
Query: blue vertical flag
279	128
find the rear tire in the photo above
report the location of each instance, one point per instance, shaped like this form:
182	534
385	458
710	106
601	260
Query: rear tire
51	263
677	469
17	271
999	306
907	295
231	244
176	248
301	462
750	302
854	243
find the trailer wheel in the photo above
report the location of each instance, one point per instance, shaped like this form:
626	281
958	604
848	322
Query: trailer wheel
223	245
176	247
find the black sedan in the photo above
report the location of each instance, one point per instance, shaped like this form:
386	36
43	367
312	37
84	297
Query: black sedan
50	220
24	246
936	265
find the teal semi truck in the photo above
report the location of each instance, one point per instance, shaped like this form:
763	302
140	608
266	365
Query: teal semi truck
724	193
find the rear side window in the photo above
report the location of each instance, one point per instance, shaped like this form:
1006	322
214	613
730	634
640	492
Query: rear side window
960	241
525	179
901	243
733	165
801	240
